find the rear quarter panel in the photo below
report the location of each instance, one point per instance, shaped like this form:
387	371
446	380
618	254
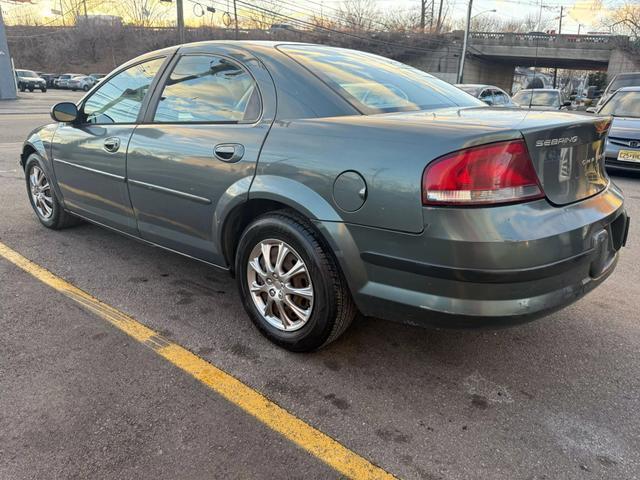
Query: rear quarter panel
389	155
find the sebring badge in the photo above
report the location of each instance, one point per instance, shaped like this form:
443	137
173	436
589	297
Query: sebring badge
557	141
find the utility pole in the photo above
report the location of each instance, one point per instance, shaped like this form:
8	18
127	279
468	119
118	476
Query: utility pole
84	4
235	16
465	42
7	79
423	14
555	70
180	18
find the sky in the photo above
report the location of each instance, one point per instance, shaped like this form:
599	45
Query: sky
583	14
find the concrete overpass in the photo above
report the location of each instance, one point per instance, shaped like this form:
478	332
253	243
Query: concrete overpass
492	57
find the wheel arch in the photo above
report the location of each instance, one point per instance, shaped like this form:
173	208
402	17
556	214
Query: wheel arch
271	193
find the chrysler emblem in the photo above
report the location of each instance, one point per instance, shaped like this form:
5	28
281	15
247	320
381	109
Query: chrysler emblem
634	144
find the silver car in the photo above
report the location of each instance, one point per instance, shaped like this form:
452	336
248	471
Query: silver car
623	142
331	182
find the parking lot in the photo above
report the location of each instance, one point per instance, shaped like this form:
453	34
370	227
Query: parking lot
80	398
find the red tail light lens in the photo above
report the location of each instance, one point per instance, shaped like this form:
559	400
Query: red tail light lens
489	174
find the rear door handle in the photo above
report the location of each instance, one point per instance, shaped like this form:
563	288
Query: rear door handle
228	152
112	144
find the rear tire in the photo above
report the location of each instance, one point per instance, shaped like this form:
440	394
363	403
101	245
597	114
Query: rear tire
85	88
31	89
46	206
326	297
43	89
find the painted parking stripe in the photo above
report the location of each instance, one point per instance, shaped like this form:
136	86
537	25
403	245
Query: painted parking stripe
333	453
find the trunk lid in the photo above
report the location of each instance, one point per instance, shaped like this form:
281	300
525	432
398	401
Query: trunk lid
567	149
568	155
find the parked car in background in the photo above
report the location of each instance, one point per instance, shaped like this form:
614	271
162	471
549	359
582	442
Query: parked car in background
541	99
29	80
623	142
50	78
375	187
621	80
63	80
489	94
97	76
83	82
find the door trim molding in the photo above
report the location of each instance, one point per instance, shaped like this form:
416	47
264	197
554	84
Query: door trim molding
88	169
177	193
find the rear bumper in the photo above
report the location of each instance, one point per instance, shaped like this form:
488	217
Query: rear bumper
483	267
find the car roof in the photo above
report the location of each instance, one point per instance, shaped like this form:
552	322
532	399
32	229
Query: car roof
539	90
629	89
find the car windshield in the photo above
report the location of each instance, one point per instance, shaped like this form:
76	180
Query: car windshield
622	81
623	104
27	73
375	84
540	99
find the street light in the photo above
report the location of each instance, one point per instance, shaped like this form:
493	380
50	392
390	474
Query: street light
465	41
484	11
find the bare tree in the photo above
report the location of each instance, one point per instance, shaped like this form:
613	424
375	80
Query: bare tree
400	20
624	19
359	15
263	14
143	13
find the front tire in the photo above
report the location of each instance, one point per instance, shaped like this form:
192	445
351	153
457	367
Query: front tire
85	88
43	198
290	284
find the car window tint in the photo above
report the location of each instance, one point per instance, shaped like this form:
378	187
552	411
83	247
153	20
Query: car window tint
376	84
119	100
486	95
623	104
500	98
205	88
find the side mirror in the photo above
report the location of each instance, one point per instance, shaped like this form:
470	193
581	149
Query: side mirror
591	110
566	104
65	112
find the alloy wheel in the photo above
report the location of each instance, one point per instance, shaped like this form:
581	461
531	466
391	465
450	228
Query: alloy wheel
280	285
41	193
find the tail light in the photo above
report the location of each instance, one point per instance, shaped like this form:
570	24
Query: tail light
489	174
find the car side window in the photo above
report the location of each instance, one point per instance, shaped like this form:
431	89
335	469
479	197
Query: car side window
500	98
119	100
486	95
206	88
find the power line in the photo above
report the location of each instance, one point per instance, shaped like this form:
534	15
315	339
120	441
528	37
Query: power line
330	30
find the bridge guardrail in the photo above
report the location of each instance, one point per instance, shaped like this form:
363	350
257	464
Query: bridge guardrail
540	39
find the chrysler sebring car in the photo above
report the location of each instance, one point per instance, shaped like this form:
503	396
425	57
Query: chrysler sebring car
332	182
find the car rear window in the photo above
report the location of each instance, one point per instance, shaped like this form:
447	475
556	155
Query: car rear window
376	84
540	99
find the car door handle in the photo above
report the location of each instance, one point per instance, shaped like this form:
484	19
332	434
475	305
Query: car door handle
229	152
112	144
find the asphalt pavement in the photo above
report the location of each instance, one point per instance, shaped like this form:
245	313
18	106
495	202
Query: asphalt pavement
557	398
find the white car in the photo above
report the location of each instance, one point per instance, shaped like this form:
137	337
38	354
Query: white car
63	80
83	82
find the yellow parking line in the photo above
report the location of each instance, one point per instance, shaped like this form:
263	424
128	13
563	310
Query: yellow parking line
315	442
